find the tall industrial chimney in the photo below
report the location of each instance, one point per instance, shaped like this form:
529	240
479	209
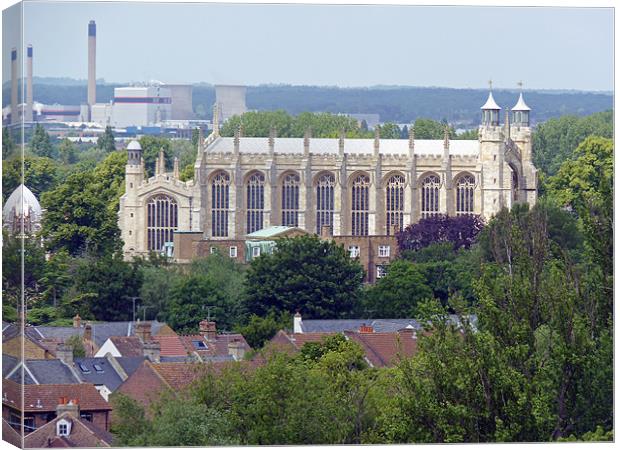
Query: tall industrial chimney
92	57
14	112
28	113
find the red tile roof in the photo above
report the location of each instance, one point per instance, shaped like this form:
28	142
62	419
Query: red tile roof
44	397
82	434
219	347
385	349
127	345
171	345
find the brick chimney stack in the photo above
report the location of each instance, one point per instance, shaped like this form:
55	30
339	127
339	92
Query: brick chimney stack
143	331
71	406
152	351
366	329
64	352
88	332
208	330
236	349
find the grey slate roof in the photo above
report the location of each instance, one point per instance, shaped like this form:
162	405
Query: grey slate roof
337	326
130	363
8	364
101	331
107	377
17	376
51	371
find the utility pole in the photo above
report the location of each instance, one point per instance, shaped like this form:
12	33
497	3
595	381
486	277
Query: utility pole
133	299
144	308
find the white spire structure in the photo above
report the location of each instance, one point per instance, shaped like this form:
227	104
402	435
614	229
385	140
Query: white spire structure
490	110
520	111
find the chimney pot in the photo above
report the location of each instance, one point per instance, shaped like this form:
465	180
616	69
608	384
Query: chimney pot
297	323
77	321
366	329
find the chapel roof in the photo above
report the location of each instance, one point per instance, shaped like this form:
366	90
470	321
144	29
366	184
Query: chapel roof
21	199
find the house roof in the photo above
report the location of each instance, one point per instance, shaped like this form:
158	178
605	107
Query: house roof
83	434
171	345
260	145
127	345
8	363
212	350
44	397
46	371
337	325
98	371
10	435
101	331
272	232
129	364
385	349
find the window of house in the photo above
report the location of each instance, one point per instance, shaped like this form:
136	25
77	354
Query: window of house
384	251
63	428
232	251
255	252
86	416
354	251
213	250
381	271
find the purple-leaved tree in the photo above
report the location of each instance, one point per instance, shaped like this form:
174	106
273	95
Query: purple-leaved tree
461	231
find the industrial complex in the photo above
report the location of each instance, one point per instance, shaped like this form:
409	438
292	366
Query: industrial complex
147	108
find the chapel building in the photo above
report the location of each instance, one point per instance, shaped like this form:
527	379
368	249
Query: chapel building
357	187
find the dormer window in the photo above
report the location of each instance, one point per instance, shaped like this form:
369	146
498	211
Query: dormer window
63	427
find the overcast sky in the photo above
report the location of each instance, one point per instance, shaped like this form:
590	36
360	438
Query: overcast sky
546	48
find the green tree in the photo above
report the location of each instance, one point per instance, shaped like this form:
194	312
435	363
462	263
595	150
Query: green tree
258	124
468	135
555	140
195	137
129	424
67	151
187	173
397	294
102	288
431	129
390	130
151	146
307	274
40	143
106	141
259	330
39	175
81	213
8	145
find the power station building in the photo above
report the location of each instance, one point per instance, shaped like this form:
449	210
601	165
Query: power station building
354	187
230	101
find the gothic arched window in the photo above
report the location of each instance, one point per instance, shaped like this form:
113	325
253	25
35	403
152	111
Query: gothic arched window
220	185
162	220
465	195
290	200
395	202
255	188
430	195
359	205
324	201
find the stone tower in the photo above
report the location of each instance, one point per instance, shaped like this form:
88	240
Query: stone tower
520	151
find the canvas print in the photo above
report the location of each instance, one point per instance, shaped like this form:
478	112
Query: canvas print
229	224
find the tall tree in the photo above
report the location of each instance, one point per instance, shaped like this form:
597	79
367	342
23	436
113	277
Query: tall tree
40	143
67	151
8	145
151	146
39	175
316	277
106	141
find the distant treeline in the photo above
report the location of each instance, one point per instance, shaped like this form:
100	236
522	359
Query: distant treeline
460	107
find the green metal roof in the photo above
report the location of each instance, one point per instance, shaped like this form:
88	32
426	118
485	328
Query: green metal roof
269	232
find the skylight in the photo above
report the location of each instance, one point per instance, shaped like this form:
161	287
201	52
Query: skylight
98	368
83	368
199	345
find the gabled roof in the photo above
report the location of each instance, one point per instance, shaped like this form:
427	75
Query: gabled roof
8	364
98	371
83	434
385	349
213	350
44	397
337	325
127	345
45	371
170	345
10	435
